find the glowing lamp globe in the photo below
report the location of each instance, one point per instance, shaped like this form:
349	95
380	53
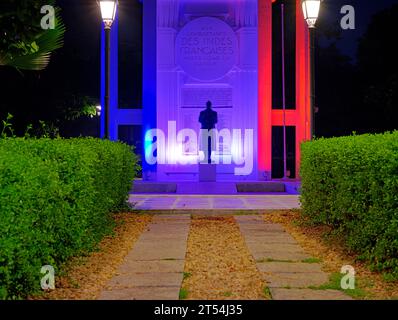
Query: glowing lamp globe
108	11
311	11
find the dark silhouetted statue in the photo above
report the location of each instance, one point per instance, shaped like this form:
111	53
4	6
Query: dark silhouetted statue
208	119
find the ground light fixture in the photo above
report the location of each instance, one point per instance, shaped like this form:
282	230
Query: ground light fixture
108	14
98	110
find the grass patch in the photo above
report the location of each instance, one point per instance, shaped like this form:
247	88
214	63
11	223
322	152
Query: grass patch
227	294
267	293
335	284
183	295
311	260
74	284
186	275
388	277
273	260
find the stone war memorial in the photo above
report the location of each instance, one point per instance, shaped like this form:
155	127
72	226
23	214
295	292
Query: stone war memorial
226	151
231	54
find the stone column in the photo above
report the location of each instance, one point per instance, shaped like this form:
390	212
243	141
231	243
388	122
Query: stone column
149	79
264	89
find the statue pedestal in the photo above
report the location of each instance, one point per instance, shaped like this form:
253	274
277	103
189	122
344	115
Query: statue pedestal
207	172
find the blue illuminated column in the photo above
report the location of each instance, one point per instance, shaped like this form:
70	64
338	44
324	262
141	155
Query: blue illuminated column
149	79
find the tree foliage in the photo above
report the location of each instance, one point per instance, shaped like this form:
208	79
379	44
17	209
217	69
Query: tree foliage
24	44
378	67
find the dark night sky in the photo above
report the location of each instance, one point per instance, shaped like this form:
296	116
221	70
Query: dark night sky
364	10
76	66
82	19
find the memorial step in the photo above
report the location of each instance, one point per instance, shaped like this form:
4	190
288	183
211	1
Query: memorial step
154	187
260	187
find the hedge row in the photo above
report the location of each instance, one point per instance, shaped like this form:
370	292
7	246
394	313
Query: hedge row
351	183
55	202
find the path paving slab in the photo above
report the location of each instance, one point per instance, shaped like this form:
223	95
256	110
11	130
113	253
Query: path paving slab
145	252
307	294
276	247
175	218
132	266
160	224
280	239
170	244
153	269
172	229
262	255
146	279
160	236
232	202
295	280
142	293
292	267
262	227
279	259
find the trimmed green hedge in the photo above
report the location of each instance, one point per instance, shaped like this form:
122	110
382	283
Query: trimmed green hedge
56	199
351	183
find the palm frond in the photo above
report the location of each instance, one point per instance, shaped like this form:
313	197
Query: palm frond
46	42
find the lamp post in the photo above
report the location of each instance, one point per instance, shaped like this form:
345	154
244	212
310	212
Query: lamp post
108	13
311	12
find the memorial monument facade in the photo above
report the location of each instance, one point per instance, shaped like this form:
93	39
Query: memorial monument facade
195	51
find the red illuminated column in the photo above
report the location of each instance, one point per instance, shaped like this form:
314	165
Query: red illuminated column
264	88
303	105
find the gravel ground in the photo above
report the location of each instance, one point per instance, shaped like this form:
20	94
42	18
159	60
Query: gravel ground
218	264
86	276
333	255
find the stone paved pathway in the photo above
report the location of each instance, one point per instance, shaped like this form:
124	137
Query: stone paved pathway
214	202
153	270
280	260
